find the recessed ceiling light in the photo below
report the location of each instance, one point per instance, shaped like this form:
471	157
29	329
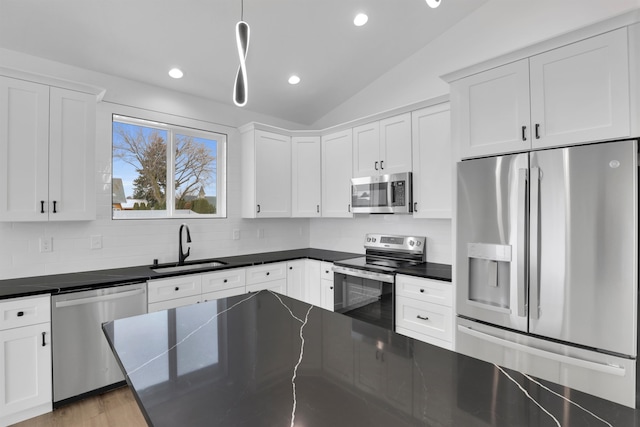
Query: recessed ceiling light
433	3
294	80
176	73
360	20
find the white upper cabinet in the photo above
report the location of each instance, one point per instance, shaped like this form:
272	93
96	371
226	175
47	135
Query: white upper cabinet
382	147
572	94
47	152
305	177
493	110
432	162
580	92
336	174
266	174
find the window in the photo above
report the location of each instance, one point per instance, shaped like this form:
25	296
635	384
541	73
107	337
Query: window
166	171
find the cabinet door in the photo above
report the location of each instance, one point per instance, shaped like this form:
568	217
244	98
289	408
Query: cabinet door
305	177
24	150
266	273
312	282
174	287
432	162
580	92
278	286
25	358
72	166
296	283
366	150
336	174
273	175
492	110
326	287
395	144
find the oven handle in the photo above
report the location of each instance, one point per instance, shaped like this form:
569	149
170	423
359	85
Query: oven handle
364	274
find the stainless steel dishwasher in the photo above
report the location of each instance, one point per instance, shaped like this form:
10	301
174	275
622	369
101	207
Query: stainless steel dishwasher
82	359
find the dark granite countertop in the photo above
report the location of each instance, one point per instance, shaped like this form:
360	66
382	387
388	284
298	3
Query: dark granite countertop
57	283
264	359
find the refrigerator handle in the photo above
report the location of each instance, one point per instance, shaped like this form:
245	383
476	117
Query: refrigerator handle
534	237
521	242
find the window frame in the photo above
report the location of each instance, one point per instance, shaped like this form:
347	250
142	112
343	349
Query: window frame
221	139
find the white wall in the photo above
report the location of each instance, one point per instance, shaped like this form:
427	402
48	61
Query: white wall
496	28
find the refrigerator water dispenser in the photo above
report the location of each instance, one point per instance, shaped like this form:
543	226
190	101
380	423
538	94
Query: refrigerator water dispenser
489	273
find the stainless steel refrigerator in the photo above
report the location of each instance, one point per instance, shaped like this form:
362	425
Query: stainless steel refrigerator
546	265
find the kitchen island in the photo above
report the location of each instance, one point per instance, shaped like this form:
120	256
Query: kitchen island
263	359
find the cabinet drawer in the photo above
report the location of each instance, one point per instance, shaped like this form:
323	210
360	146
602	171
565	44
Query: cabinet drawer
18	312
174	287
221	280
425	318
424	338
279	286
211	296
432	291
173	303
266	273
325	271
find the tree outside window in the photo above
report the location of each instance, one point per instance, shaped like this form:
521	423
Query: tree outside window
148	155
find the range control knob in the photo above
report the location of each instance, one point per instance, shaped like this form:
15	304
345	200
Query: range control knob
368	239
419	243
411	243
373	239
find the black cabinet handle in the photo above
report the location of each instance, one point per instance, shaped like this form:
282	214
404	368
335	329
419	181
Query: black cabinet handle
267	273
258	208
349	208
537	130
41	206
290	268
224	281
177	289
326	271
381	164
524	135
376	166
415	206
331	287
422	318
43	341
20	313
54	207
422	290
318	208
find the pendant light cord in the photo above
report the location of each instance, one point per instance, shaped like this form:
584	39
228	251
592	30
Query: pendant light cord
242	10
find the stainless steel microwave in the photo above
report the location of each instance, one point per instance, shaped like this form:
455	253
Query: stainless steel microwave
383	194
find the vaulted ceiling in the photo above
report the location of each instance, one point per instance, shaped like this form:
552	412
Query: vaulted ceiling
316	39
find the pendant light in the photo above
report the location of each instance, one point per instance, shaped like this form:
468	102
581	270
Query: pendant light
240	88
433	3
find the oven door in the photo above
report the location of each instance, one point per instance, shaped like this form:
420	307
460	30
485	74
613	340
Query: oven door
365	295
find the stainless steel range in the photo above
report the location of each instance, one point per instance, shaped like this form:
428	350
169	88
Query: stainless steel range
364	287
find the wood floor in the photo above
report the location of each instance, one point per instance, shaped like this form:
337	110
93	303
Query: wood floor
115	408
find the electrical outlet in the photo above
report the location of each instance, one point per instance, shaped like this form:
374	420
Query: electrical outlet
236	234
46	244
96	242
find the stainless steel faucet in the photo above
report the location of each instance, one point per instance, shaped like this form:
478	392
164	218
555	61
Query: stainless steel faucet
181	255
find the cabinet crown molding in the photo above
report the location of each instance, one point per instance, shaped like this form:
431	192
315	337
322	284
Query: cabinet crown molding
54	81
573	36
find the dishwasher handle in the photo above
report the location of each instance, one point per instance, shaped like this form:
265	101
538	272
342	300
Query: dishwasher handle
99	298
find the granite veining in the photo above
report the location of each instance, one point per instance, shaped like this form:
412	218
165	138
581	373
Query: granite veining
264	359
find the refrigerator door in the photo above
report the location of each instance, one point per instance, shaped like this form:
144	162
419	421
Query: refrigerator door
491	240
583	245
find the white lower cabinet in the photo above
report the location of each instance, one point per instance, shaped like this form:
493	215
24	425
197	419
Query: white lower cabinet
268	277
25	358
188	289
326	286
424	310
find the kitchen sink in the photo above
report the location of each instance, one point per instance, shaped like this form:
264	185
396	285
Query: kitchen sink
194	265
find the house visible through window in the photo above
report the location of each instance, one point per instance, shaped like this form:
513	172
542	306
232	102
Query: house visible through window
166	171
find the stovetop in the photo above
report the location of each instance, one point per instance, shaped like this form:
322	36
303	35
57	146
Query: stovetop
379	264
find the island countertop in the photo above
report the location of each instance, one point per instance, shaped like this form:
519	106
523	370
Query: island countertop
264	359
